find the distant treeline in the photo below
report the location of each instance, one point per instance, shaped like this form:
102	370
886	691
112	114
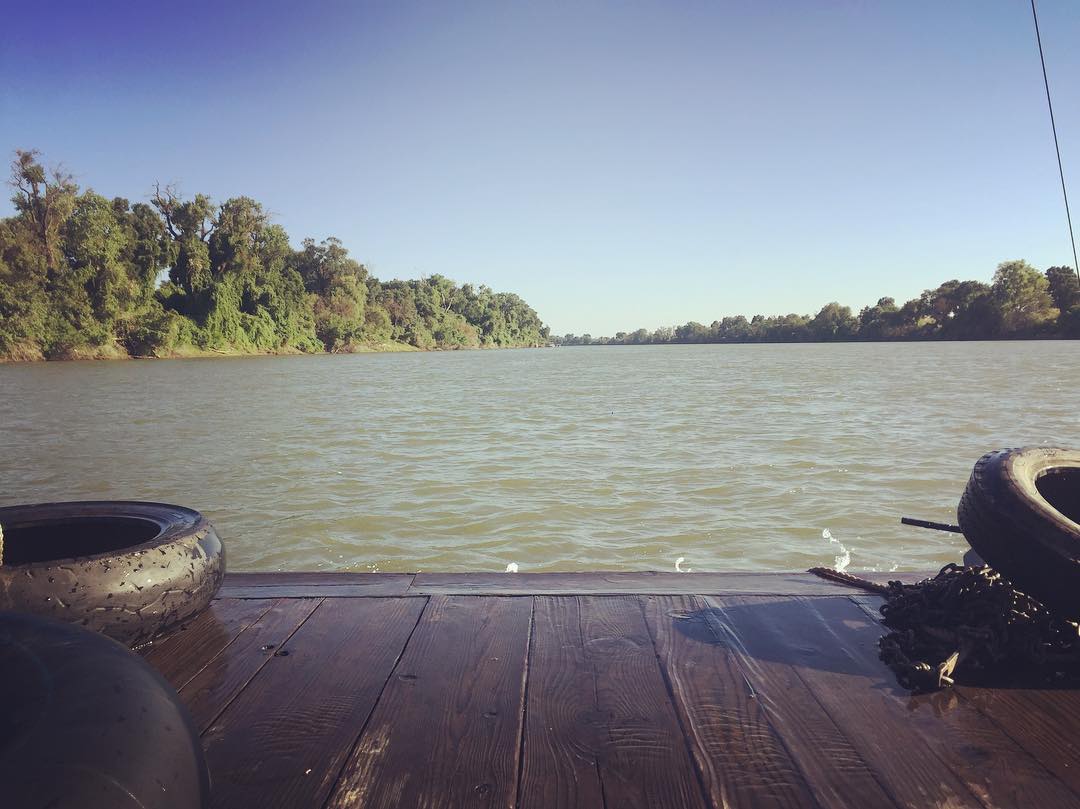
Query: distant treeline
83	276
1021	302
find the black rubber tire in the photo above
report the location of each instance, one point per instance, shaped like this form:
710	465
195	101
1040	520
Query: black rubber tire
1020	512
129	570
87	723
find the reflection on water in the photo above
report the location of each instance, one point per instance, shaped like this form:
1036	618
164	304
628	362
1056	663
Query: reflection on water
627	458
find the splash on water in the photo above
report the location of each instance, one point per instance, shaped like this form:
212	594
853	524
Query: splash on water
512	567
679	568
843	557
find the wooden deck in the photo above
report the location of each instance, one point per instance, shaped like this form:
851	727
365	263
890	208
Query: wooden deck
611	690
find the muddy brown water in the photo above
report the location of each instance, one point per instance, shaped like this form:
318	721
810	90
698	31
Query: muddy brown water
745	457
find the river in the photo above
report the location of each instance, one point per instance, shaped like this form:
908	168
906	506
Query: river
733	457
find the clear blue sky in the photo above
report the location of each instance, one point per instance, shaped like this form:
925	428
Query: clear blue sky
618	164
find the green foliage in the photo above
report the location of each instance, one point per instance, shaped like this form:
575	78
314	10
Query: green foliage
878	322
79	277
1022	294
1021	302
23	302
153	332
338	286
1064	288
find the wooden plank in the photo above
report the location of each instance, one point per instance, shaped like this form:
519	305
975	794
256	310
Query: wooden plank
870	604
223	677
650	583
1042	721
741	757
447	729
348	585
282	741
314	585
600	725
827	760
920	754
182	654
310	577
313	591
564	732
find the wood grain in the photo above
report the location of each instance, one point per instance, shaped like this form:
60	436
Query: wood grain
564	731
922	749
646	582
314	585
183	653
348	585
628	700
826	758
446	732
630	733
283	740
740	755
207	694
1041	720
313	577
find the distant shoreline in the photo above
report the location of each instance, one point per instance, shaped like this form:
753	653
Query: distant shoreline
405	348
1038	338
1020	303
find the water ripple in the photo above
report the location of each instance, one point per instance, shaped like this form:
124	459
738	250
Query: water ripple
731	457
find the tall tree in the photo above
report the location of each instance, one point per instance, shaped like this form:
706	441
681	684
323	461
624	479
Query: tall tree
834	322
190	225
1064	288
1022	294
338	285
44	202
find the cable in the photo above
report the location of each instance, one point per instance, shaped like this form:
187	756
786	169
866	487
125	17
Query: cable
1057	148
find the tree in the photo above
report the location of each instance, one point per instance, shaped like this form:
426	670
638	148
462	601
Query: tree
1064	288
23	301
80	276
691	332
44	205
834	322
148	249
1022	295
664	334
338	284
734	329
234	237
878	321
92	291
957	309
190	226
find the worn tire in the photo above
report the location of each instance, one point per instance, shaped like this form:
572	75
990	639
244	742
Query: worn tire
87	723
1021	513
129	570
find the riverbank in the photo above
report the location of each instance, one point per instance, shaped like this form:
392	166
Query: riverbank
384	347
193	352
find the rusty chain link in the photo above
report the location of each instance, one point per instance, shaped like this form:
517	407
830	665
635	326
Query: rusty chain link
969	625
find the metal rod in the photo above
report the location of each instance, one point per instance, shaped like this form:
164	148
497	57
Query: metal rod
1057	148
935	526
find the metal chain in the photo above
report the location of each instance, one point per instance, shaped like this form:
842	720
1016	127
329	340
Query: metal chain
969	625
